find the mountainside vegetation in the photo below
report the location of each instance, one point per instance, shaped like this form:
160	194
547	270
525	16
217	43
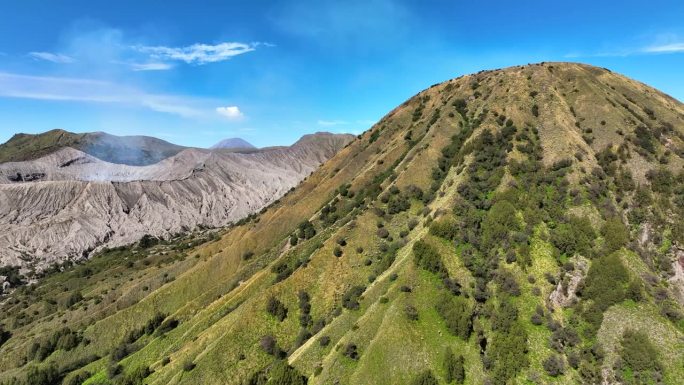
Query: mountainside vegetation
130	150
517	226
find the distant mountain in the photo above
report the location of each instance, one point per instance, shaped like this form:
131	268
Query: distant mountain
130	150
233	144
69	202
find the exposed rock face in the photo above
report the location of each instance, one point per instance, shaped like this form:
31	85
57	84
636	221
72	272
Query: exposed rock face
565	293
677	279
67	204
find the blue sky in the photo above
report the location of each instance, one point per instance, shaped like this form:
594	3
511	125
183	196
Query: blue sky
269	71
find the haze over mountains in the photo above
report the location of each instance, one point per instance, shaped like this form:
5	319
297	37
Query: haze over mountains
513	226
64	195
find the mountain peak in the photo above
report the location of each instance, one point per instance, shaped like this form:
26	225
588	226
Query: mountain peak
232	143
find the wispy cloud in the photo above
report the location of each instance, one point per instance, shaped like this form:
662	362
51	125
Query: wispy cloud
197	53
665	48
97	91
661	44
338	122
52	57
329	123
154	66
230	112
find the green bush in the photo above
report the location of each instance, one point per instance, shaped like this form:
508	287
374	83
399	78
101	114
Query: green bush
457	313
554	366
576	236
445	227
283	374
605	285
350	300
425	378
276	308
640	356
615	233
662	180
499	222
428	258
411	312
508	353
4	335
454	367
351	351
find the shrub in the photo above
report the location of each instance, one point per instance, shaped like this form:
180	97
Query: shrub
188	366
500	221
457	313
4	335
412	223
605	285
166	326
508	283
574	236
350	300
283	374
276	309
351	351
73	299
411	312
77	379
461	106
337	251
428	258
662	180
554	366
306	230
615	233
537	319
324	341
397	204
446	228
639	355
269	344
383	233
42	376
507	352
425	378
454	367
644	138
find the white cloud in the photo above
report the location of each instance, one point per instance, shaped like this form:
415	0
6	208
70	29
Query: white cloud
230	112
665	48
97	91
329	123
657	44
52	57
197	53
154	66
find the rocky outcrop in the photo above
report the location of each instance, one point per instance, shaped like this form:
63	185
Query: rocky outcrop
565	293
81	203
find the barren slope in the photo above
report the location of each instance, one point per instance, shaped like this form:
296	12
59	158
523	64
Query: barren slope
74	202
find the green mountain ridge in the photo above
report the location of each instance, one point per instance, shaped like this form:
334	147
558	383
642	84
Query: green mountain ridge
130	150
517	226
